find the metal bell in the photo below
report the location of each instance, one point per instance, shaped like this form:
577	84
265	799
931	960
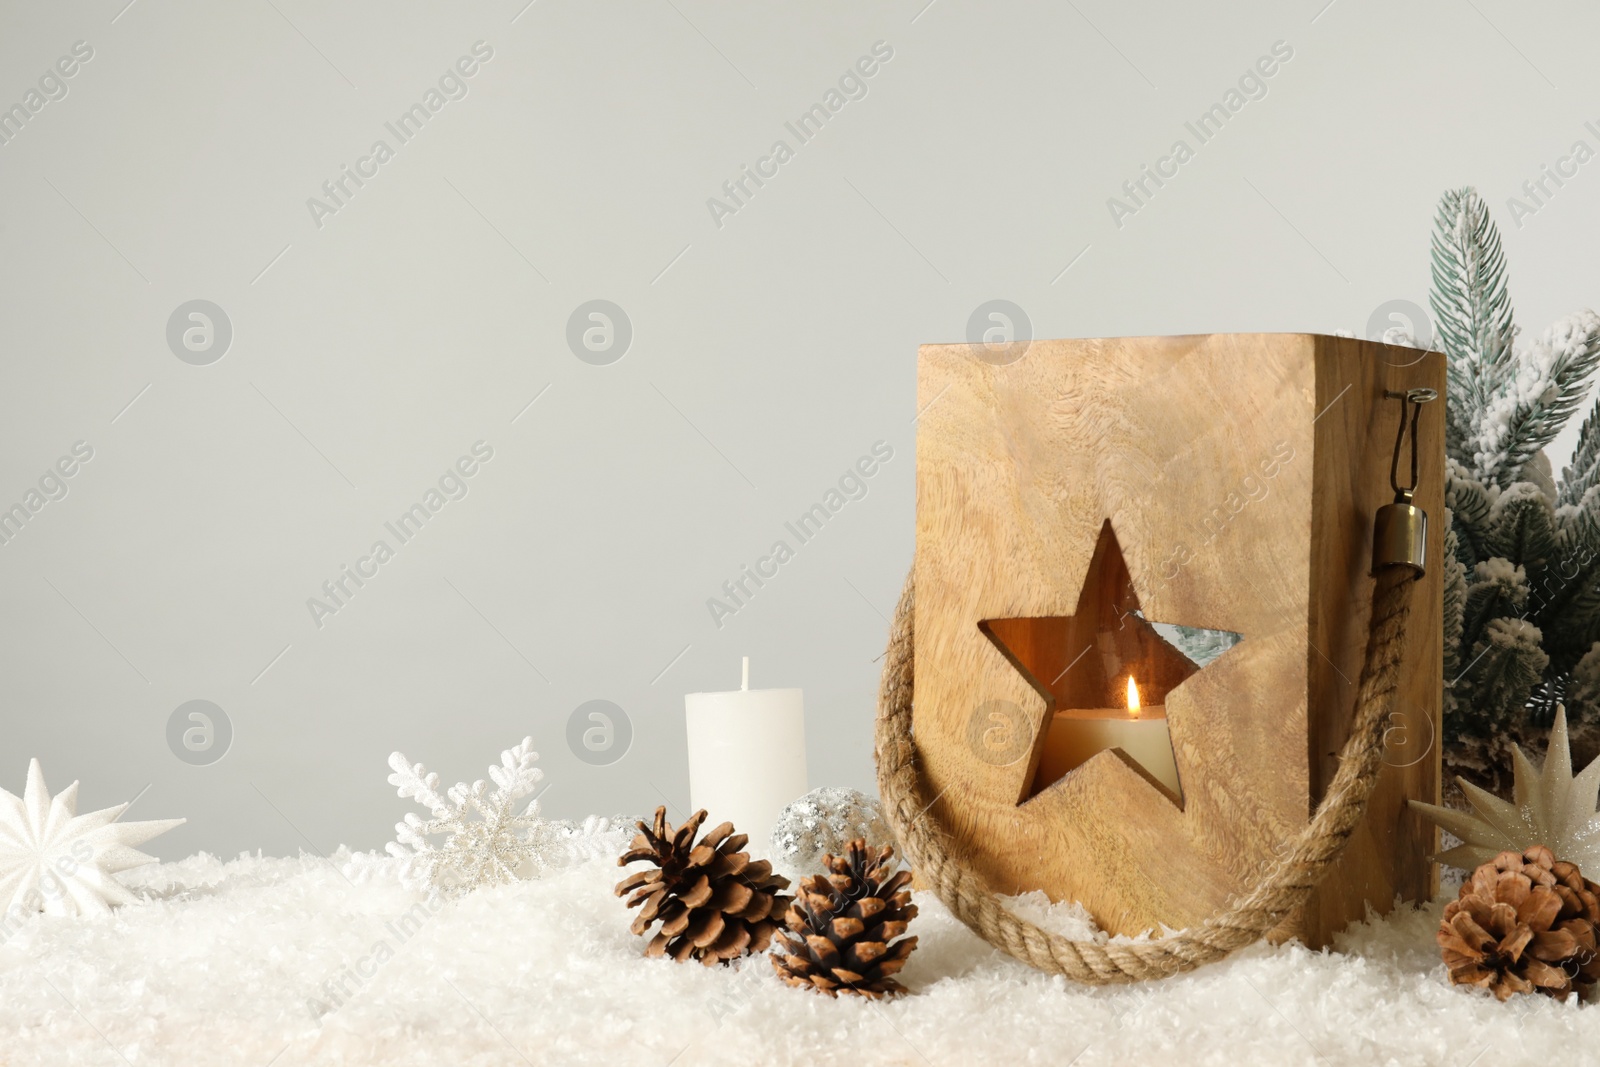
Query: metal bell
1400	536
1400	532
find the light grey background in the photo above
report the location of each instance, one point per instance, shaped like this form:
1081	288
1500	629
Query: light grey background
767	354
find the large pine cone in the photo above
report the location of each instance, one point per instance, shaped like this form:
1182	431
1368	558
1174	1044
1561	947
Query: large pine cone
844	922
712	902
1523	924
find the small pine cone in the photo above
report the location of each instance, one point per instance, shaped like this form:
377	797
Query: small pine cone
713	903
843	923
1524	923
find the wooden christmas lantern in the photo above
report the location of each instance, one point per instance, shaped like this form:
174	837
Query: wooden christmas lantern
1142	599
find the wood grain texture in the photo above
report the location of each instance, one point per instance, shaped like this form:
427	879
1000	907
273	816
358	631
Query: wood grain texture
1355	443
1240	476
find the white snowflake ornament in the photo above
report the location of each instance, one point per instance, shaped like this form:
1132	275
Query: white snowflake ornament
597	836
501	845
55	861
1548	807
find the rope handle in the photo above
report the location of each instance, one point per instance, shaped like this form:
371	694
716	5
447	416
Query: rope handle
1284	886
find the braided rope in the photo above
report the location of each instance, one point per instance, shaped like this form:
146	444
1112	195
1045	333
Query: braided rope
1284	886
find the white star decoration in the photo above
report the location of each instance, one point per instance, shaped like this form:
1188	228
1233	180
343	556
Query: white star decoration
55	861
1548	807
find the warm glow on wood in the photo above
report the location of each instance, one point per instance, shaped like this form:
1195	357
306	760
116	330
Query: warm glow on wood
1133	698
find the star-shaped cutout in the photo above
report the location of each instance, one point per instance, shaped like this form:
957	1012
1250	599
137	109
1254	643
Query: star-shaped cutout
1087	665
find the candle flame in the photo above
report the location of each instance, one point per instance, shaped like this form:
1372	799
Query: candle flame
1133	698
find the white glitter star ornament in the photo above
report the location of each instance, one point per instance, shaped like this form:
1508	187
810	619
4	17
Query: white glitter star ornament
1548	806
55	861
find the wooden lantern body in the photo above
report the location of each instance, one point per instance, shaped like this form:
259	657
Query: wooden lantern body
1225	482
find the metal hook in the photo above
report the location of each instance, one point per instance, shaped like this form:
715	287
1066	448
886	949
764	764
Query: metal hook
1415	398
1400	533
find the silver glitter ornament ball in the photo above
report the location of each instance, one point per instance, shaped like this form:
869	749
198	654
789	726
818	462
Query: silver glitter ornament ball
825	821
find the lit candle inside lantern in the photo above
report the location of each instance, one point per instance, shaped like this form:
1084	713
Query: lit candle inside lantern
747	755
1140	732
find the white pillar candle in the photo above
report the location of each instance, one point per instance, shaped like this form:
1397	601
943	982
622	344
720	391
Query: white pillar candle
747	755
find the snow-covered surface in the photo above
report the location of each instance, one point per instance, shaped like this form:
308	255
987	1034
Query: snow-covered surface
232	963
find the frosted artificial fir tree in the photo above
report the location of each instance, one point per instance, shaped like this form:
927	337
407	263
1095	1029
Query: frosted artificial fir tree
1522	567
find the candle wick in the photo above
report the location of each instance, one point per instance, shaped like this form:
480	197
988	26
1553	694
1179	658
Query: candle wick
744	682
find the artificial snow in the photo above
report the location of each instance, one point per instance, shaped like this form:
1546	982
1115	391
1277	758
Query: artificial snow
317	960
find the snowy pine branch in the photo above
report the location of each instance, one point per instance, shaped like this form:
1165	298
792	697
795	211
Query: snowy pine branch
1521	525
1496	589
1507	663
1455	597
1469	502
1471	308
1534	397
1522	577
1578	477
1583	694
1504	405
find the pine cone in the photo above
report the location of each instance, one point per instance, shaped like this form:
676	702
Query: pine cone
844	922
712	902
1523	924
